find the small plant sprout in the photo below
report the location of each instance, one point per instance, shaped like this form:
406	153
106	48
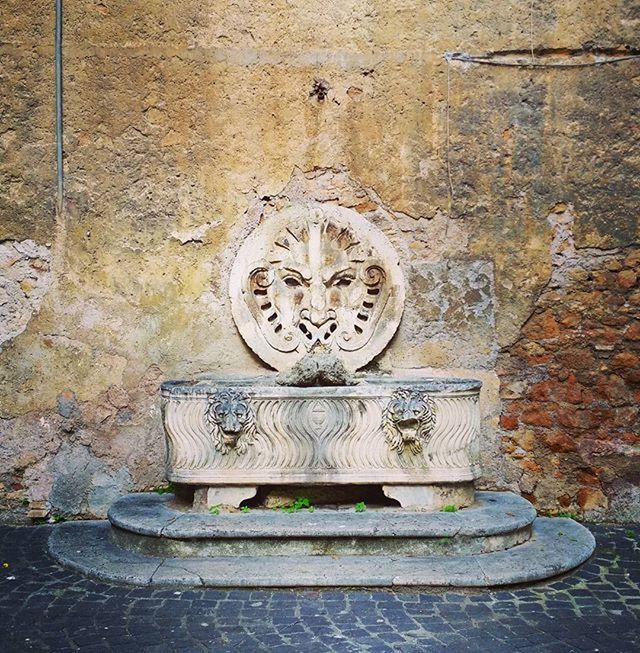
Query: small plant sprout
449	508
245	509
215	510
630	533
165	489
298	504
360	506
568	515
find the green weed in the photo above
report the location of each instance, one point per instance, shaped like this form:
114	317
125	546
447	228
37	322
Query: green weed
360	506
298	504
165	489
568	515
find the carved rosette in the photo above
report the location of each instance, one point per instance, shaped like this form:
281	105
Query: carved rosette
316	274
408	420
230	420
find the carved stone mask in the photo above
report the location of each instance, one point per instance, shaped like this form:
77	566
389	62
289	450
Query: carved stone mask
316	274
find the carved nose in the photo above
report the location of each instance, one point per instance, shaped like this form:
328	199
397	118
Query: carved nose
318	312
231	425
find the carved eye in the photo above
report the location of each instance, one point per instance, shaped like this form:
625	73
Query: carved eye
344	282
292	282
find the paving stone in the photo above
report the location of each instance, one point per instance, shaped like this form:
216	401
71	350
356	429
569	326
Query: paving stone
45	608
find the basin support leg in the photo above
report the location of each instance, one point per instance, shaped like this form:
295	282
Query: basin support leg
230	496
431	497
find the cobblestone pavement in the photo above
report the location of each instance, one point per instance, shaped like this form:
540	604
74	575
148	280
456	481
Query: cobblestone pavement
46	608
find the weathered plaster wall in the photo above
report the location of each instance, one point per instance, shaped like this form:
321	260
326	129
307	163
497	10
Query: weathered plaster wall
186	121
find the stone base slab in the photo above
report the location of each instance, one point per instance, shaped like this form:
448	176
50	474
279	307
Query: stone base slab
230	496
556	546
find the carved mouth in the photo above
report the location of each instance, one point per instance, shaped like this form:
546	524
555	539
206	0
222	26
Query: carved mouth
230	438
408	426
313	334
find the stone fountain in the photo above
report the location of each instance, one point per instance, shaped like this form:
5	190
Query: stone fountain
317	292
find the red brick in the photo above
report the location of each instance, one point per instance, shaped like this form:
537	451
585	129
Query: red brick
614	390
631	438
570	320
590	498
577	358
564	500
559	442
573	393
587	478
633	259
603	279
542	327
627	278
509	422
568	417
531	465
540	391
536	417
614	266
633	331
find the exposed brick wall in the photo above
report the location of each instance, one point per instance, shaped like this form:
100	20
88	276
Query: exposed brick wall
570	384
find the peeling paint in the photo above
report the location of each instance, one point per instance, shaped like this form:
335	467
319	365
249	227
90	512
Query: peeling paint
25	277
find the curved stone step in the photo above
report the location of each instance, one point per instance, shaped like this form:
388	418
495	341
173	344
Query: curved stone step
149	524
151	514
556	546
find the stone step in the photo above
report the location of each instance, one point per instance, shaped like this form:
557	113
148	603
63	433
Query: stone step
556	546
151	524
156	515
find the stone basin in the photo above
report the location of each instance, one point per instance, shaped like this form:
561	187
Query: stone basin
417	437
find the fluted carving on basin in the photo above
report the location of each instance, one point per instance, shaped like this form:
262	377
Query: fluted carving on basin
457	424
323	437
188	438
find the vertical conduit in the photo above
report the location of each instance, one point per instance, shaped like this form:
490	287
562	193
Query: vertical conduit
58	93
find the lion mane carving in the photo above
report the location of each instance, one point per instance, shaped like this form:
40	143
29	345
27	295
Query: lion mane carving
408	420
231	421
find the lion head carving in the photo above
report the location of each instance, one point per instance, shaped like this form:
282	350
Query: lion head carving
408	420
231	420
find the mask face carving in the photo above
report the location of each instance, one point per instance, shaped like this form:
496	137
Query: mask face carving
316	274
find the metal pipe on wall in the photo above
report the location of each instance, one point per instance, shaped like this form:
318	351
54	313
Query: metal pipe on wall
58	96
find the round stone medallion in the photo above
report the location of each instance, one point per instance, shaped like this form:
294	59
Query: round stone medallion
316	275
